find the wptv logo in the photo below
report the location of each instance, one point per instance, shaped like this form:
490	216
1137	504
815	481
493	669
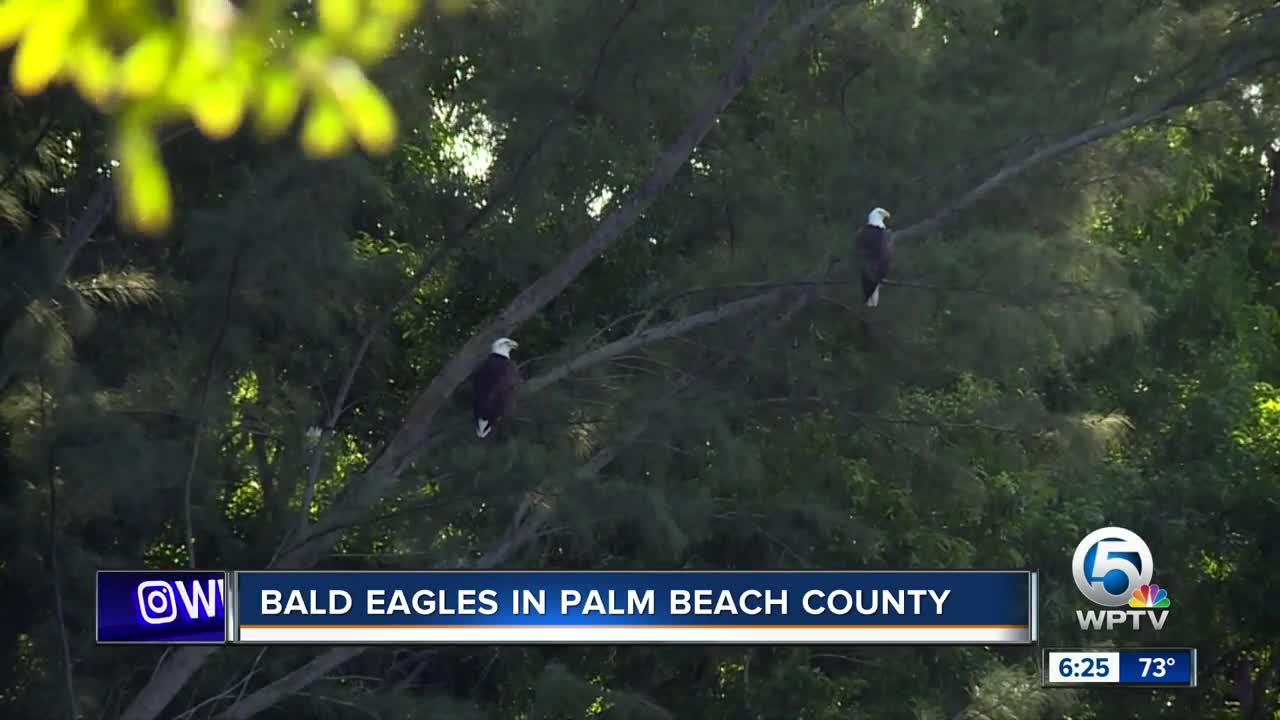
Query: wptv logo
1113	568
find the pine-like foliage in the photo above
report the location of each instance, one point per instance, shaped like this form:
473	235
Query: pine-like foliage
1080	329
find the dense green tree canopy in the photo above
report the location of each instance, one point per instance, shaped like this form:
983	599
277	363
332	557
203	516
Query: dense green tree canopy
658	200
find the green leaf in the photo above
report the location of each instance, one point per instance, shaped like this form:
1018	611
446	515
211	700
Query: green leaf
373	39
337	17
146	65
219	106
146	201
200	58
15	16
368	113
279	95
370	117
401	10
324	134
43	51
93	69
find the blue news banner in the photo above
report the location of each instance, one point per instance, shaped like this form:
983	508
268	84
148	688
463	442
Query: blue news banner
553	607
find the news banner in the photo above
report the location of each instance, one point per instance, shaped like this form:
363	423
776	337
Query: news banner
1112	568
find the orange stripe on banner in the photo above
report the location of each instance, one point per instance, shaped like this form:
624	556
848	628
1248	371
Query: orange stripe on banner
663	627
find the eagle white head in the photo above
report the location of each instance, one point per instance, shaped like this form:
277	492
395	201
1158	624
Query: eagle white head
877	217
504	346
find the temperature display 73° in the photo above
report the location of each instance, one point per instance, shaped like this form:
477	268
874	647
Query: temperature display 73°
1144	667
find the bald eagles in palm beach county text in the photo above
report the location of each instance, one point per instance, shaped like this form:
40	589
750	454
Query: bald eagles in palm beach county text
875	247
494	386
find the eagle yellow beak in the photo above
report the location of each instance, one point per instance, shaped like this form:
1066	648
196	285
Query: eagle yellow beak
513	344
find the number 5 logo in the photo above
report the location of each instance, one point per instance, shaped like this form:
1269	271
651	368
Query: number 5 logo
1100	565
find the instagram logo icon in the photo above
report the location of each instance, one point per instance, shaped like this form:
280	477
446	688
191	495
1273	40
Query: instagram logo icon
156	602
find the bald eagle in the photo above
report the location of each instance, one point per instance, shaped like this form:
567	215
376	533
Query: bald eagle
494	386
875	246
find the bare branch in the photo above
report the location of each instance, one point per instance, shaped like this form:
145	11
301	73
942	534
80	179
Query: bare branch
237	688
645	337
290	684
210	377
1087	137
55	569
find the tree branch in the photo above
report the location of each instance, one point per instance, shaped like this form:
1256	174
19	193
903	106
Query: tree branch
986	187
344	389
1087	137
23	157
211	373
268	696
415	429
645	337
429	265
416	426
527	525
55	569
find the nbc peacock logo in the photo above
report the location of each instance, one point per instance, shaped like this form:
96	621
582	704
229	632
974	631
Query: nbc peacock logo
1149	596
1112	568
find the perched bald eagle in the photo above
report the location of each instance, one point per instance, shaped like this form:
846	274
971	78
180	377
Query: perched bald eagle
875	246
494	386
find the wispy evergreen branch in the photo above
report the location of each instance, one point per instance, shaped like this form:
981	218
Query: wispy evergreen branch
97	207
121	289
933	422
25	156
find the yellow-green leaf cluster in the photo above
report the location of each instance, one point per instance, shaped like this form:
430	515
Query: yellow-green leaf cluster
213	63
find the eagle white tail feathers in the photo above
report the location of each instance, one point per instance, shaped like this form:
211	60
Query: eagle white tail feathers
874	300
483	428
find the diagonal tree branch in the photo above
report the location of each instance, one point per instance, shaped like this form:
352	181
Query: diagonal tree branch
931	224
383	472
498	199
528	524
416	427
1090	136
340	399
414	431
645	337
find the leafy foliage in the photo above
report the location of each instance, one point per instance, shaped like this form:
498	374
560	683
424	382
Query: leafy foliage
210	62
